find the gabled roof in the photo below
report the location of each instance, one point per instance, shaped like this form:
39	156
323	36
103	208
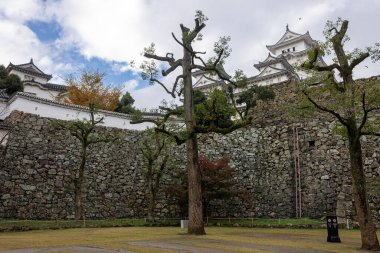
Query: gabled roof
48	86
290	37
273	60
29	68
204	76
268	61
275	70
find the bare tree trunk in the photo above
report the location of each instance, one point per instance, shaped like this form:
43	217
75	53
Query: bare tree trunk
79	187
151	196
196	225
364	216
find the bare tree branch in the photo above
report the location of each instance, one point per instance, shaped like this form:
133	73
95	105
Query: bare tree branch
160	58
183	45
197	29
139	121
370	133
340	34
214	129
328	68
365	115
322	108
173	66
163	86
177	139
358	60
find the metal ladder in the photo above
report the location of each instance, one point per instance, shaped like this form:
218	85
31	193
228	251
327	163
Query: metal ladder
297	172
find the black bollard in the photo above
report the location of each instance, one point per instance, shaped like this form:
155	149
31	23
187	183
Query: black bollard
332	229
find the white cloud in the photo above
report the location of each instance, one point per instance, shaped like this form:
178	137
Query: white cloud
118	30
150	97
130	85
23	10
18	43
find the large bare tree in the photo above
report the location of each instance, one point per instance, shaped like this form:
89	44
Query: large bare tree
190	62
355	105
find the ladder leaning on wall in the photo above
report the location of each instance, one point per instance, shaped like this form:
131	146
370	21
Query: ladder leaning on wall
297	172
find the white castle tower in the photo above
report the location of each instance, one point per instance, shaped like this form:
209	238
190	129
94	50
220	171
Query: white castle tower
279	66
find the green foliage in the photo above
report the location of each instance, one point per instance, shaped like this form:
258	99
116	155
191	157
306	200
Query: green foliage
200	16
214	110
84	130
156	149
221	47
10	82
344	98
249	97
125	104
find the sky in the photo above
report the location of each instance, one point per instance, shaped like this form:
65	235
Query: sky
68	36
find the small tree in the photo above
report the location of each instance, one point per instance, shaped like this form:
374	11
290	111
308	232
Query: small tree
10	82
125	104
214	111
155	148
217	183
90	87
183	85
84	132
353	104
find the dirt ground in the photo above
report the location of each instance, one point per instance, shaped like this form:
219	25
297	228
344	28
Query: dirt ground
161	240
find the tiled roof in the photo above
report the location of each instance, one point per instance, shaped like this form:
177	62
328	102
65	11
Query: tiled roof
29	68
4	125
53	86
49	86
83	108
3	94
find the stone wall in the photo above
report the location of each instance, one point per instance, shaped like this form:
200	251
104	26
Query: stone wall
36	171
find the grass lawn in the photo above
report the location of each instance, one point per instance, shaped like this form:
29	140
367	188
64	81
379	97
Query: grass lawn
168	239
21	225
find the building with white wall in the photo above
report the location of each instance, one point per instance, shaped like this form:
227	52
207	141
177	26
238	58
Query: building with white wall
280	65
42	98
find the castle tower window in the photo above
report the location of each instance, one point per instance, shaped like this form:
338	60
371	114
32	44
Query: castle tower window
288	49
311	143
294	49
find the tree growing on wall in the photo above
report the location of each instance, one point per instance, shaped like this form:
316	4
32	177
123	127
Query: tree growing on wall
217	183
191	61
90	87
84	132
355	105
10	82
155	148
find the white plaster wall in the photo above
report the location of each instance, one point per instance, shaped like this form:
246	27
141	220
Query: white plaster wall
300	46
3	108
22	75
68	113
42	93
272	80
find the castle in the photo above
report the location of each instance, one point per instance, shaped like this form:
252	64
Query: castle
290	168
280	65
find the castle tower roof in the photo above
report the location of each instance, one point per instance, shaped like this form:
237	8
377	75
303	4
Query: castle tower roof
29	68
290	37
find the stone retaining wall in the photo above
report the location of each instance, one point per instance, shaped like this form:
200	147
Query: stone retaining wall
36	169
